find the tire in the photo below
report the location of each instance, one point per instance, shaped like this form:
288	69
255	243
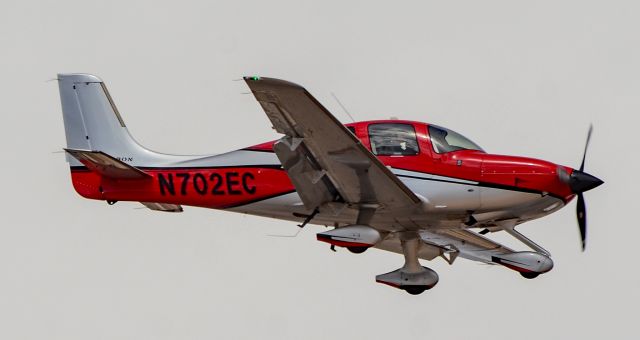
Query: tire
529	275
415	290
357	250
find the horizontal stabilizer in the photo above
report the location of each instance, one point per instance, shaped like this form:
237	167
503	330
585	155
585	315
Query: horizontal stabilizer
163	207
106	165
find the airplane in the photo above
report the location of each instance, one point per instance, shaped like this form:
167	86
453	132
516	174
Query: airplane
412	188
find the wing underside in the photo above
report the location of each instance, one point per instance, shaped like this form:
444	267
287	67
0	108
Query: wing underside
450	243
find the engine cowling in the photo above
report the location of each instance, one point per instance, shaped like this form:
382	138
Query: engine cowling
525	262
353	236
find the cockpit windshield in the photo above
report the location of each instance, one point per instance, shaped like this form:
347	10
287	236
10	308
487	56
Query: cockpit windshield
445	140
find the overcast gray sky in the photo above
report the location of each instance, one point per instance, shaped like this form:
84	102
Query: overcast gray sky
518	77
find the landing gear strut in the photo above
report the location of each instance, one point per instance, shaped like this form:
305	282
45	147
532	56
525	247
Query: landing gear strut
412	277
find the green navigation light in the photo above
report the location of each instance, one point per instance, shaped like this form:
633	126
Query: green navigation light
255	78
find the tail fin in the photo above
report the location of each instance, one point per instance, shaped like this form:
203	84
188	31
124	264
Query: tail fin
92	121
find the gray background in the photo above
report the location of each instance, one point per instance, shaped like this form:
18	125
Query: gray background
517	77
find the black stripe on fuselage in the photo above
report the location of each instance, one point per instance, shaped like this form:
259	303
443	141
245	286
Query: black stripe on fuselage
436	179
453	180
260	199
477	184
257	150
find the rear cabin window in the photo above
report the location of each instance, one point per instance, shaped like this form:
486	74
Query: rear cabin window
393	140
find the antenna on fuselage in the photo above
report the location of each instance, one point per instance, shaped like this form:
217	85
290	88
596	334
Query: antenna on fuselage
343	107
292	235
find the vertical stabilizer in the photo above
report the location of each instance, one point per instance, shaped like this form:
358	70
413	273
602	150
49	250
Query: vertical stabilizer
92	121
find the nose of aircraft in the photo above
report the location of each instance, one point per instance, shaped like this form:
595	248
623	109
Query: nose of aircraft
580	181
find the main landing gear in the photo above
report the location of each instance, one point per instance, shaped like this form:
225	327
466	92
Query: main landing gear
529	275
412	277
357	250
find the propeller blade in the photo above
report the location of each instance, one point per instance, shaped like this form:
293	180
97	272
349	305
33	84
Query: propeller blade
586	145
581	212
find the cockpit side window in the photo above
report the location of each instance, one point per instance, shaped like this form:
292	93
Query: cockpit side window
445	140
393	139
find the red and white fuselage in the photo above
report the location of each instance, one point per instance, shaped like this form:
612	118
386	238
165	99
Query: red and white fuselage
439	183
252	181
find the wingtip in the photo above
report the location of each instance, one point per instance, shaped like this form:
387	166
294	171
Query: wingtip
270	81
79	77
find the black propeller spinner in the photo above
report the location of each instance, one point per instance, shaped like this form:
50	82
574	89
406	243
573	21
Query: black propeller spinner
579	182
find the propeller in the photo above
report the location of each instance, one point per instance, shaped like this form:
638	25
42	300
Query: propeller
581	208
581	214
579	182
586	146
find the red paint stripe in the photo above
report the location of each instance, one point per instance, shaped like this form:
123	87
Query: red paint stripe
328	239
518	269
388	284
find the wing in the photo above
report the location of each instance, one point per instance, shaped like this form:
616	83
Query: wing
451	243
325	161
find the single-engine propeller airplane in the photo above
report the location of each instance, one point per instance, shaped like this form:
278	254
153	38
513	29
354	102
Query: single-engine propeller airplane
408	187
